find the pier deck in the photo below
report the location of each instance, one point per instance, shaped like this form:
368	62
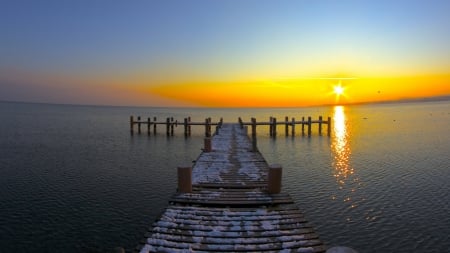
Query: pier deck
229	208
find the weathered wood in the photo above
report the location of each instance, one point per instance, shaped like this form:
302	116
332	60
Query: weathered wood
184	179
274	181
329	126
227	206
139	124
309	126
293	127
286	126
131	125
320	125
154	125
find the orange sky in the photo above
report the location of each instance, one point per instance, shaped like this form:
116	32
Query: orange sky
304	92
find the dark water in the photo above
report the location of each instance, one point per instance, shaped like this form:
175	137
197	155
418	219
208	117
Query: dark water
72	179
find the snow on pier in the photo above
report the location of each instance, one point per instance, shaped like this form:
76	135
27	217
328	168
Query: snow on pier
230	207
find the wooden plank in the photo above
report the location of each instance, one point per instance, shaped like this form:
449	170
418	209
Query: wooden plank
229	209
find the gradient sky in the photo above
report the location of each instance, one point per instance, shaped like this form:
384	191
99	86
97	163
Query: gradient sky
222	53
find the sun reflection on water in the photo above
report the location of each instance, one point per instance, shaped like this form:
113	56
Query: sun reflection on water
343	172
340	146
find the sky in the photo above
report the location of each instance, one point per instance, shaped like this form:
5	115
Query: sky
228	53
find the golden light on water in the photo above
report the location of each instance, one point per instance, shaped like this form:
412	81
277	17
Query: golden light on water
340	145
341	150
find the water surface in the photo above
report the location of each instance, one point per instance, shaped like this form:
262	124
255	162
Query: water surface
74	180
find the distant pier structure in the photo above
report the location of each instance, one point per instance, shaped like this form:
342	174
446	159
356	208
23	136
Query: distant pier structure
290	125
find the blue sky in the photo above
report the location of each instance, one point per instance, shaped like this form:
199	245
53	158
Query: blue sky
169	41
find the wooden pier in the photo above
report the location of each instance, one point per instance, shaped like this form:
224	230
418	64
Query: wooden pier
170	123
230	200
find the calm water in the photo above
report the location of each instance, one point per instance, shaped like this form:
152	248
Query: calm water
72	179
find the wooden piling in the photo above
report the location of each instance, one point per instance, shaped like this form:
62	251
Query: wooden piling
274	128
148	126
154	125
167	126
185	124
329	126
320	125
303	126
286	126
309	126
131	125
172	124
139	124
189	126
207	129
207	145
184	179
274	179
254	146
293	127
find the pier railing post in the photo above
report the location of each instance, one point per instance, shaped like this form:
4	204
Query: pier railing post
148	126
184	179
254	146
167	126
185	127
274	128
207	145
189	126
274	179
329	126
131	125
320	125
309	126
286	126
303	126
293	127
139	124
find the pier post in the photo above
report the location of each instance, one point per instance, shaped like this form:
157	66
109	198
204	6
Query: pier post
329	126
274	128
189	126
303	126
293	127
320	125
171	126
131	125
167	126
254	146
185	127
139	124
154	125
207	133
184	179
309	126
148	126
286	126
207	145
274	179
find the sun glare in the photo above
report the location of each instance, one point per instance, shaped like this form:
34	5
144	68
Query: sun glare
338	89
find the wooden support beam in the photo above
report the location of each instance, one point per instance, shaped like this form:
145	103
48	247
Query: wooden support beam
184	179
274	179
254	146
293	127
309	126
154	125
148	126
320	125
286	126
139	124
329	127
131	125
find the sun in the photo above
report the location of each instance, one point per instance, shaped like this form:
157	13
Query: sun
338	89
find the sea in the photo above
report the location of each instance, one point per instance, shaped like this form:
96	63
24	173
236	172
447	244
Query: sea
73	178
